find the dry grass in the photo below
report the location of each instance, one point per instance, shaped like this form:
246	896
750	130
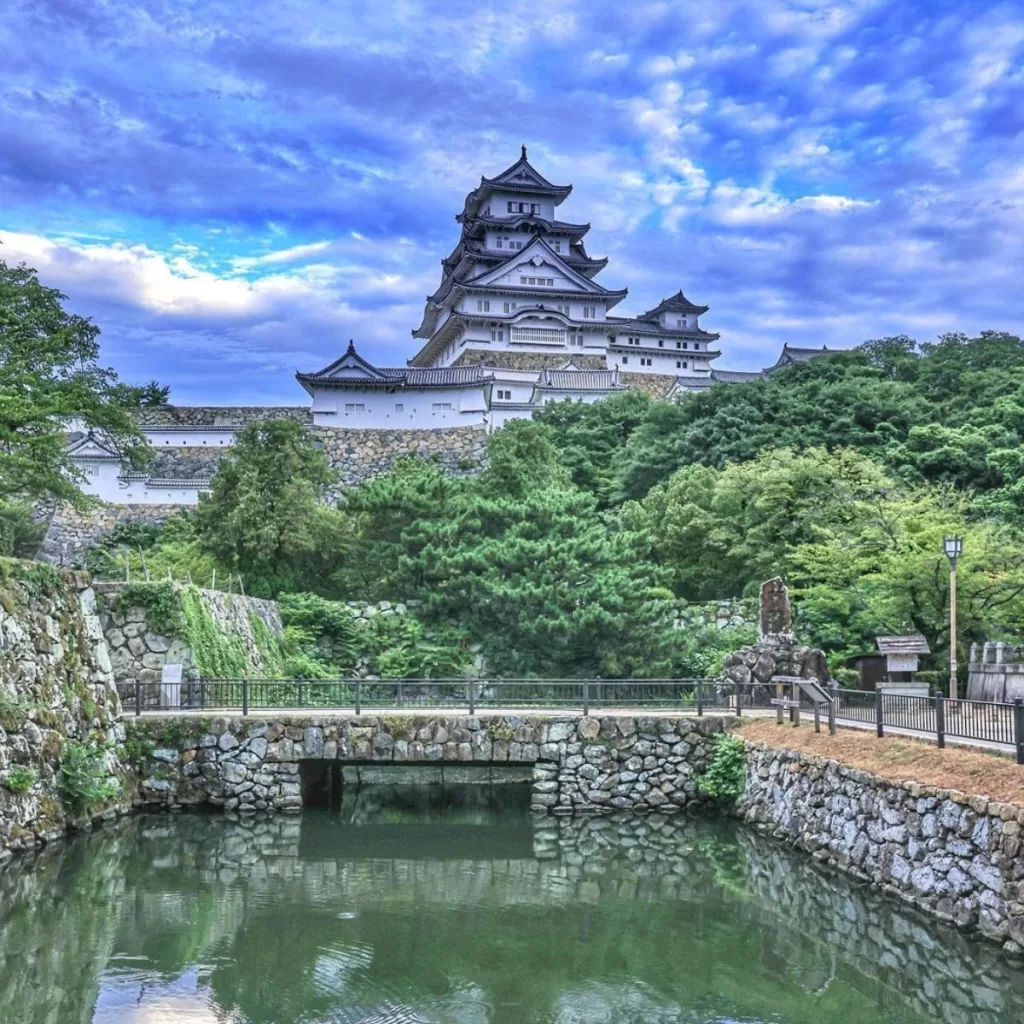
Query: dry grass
900	759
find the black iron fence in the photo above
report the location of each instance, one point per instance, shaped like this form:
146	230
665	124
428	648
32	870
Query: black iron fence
938	717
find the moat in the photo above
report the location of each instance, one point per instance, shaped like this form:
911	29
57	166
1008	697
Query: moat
449	905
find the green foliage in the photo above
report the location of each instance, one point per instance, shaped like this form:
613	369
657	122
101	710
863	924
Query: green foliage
161	601
20	778
847	678
48	375
264	516
400	647
85	780
20	532
320	637
269	647
216	655
726	777
699	652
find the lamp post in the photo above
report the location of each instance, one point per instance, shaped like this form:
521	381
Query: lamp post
953	546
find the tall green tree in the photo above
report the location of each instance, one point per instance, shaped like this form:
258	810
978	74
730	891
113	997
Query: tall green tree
49	380
265	516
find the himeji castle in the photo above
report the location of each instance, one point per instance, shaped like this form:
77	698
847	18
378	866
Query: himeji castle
519	319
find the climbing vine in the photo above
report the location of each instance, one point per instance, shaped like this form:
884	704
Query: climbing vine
85	778
160	599
216	655
726	776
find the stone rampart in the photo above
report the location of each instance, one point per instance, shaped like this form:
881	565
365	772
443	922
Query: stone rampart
241	634
56	686
528	360
580	764
358	455
731	613
955	856
72	530
216	415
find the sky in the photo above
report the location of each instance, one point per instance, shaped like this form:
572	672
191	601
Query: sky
232	189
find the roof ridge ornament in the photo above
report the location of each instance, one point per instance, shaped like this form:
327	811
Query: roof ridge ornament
523	148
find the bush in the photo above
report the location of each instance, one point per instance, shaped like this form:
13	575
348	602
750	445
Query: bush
726	776
848	678
20	779
85	779
20	533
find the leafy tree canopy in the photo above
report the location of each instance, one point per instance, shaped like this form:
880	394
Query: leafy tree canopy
50	379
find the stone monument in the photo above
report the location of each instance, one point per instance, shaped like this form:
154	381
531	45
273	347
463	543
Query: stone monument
775	615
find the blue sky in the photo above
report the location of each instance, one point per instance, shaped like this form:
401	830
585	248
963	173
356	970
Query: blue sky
234	189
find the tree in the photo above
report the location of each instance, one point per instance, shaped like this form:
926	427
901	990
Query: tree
143	396
49	378
264	516
722	532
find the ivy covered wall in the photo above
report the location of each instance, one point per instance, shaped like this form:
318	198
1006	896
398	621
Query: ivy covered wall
209	633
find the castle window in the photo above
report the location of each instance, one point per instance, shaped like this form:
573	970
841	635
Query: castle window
510	307
685	345
534	207
399	407
354	407
498	244
505	396
497	335
625	360
558	246
661	344
483	305
645	362
442	407
576	339
510	207
678	345
679	365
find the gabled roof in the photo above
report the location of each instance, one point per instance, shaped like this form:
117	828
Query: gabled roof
523	177
542	252
677	303
790	355
693	383
350	368
352	371
914	644
516	220
91	447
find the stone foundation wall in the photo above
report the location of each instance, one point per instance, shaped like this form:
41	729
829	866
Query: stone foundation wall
655	384
361	454
139	647
955	856
729	614
580	764
72	530
56	685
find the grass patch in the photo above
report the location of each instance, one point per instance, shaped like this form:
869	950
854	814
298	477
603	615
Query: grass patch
899	759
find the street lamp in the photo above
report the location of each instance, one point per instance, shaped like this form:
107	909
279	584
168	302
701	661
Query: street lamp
954	547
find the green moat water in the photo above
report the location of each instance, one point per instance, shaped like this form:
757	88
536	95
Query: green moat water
448	905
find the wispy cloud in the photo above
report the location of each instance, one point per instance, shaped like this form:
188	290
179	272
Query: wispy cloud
232	191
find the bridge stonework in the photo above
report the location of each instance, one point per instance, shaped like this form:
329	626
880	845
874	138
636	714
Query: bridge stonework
581	764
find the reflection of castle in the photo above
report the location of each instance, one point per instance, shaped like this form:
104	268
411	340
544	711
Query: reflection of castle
518	321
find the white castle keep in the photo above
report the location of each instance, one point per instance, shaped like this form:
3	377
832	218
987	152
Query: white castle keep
518	320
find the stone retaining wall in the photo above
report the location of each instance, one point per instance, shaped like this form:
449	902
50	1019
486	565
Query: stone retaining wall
580	764
359	455
56	685
216	415
71	530
955	856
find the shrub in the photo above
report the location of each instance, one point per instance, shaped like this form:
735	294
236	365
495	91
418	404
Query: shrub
85	779
726	776
848	678
20	779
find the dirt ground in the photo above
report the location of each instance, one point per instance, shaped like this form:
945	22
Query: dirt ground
901	759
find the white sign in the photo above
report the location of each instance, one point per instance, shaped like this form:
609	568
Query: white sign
170	686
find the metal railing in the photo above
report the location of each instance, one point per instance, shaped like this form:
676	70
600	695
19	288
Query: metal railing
938	717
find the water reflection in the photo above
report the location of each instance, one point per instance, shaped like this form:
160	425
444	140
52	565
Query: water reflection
415	906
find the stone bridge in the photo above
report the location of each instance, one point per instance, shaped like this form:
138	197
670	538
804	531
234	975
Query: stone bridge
578	763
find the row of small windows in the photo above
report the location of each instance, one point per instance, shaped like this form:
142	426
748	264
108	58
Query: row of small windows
355	408
543	281
506	242
681	364
504	396
661	343
590	312
523	207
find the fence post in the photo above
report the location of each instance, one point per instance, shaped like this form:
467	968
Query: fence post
586	696
472	696
833	690
245	697
359	684
940	721
700	698
1018	728
398	694
878	713
597	692
298	679
138	696
739	708
817	717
